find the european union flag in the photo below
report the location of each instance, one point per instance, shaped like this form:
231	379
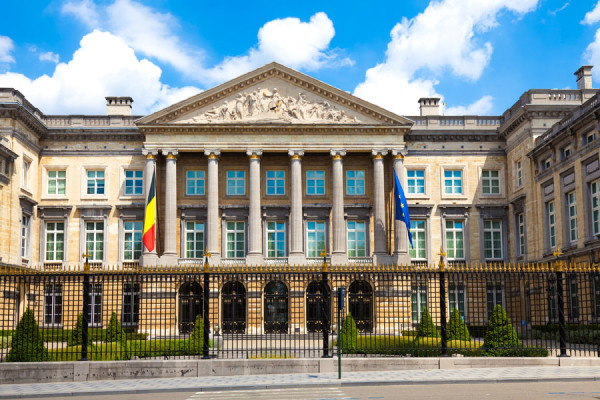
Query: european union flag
402	213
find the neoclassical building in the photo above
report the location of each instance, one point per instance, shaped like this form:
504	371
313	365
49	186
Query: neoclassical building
275	167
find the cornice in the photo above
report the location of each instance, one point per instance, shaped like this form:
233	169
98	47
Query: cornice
271	129
90	153
456	152
95	134
529	112
8	153
19	112
25	140
453	136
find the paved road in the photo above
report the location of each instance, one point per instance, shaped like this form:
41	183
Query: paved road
489	391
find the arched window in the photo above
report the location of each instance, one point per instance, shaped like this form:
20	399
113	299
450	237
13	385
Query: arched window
190	305
233	306
360	302
317	307
276	307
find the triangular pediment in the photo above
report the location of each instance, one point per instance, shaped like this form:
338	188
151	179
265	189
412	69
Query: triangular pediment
274	94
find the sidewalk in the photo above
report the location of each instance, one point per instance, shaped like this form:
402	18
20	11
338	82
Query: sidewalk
245	382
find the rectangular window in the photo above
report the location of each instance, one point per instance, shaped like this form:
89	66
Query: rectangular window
26	172
495	296
521	233
418	301
94	310
456	298
572	214
419	250
453	181
275	239
236	240
236	183
194	239
315	183
415	181
315	238
566	152
94	240
25	223
276	183
132	240
357	239
355	183
57	182
455	247
131	304
547	163
519	173
551	224
95	182
590	138
595	203
53	304
492	239
134	182
573	299
55	241
490	181
194	183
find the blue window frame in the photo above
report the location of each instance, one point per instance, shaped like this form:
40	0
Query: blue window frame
453	181
236	183
355	183
416	181
134	182
194	183
315	183
276	183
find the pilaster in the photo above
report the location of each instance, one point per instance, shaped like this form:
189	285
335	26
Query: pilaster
380	254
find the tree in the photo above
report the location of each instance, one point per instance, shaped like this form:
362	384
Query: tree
500	335
197	336
27	341
349	335
457	329
426	326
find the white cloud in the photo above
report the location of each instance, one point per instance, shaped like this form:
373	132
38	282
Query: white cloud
592	16
84	10
481	107
442	38
592	55
6	47
103	66
49	56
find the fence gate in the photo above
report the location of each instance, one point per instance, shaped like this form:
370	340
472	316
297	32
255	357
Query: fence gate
233	300
276	308
190	305
360	302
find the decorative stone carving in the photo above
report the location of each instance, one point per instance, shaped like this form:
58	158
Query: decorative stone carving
268	105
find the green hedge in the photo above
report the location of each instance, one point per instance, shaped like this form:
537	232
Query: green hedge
63	335
27	344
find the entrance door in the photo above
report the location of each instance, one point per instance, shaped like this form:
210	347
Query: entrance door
360	301
190	305
233	301
316	307
276	307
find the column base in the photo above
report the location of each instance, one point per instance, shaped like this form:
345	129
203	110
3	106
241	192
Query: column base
401	259
339	259
296	259
149	259
382	259
254	259
169	259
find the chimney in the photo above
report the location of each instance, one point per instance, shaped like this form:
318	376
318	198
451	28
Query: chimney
429	106
118	105
584	77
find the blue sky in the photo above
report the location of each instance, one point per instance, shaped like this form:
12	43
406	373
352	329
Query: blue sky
478	55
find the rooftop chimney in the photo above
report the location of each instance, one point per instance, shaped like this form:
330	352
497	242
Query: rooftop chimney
584	77
429	106
118	105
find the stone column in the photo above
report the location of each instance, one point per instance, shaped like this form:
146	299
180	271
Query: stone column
401	243
149	257
296	255
339	255
169	256
255	255
380	254
212	217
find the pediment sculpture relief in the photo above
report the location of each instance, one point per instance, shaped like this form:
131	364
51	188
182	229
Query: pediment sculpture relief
266	105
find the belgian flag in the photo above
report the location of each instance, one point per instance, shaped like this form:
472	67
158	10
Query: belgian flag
150	218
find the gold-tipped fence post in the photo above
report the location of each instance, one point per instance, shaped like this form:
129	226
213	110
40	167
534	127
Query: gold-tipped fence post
560	303
206	293
86	305
442	278
325	305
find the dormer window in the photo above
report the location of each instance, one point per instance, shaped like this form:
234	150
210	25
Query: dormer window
547	163
566	152
590	137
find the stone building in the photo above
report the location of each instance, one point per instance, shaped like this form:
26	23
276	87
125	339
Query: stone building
277	168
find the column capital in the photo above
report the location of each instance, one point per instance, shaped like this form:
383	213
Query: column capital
254	154
337	154
399	153
171	154
149	153
296	154
378	153
212	153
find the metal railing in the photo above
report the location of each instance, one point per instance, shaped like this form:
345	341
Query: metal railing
273	311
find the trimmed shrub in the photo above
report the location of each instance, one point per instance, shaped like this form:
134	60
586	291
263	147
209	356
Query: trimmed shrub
349	335
457	329
426	326
76	336
115	333
27	342
197	336
501	335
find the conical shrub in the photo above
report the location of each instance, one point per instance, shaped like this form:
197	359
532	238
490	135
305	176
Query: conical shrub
76	337
457	329
426	326
349	335
27	341
115	333
197	336
500	335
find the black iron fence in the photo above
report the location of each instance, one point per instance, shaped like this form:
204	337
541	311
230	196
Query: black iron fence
292	312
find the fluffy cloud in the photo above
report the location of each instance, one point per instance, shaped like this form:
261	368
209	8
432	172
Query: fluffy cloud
592	16
481	107
104	65
84	10
592	52
49	56
442	38
6	47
